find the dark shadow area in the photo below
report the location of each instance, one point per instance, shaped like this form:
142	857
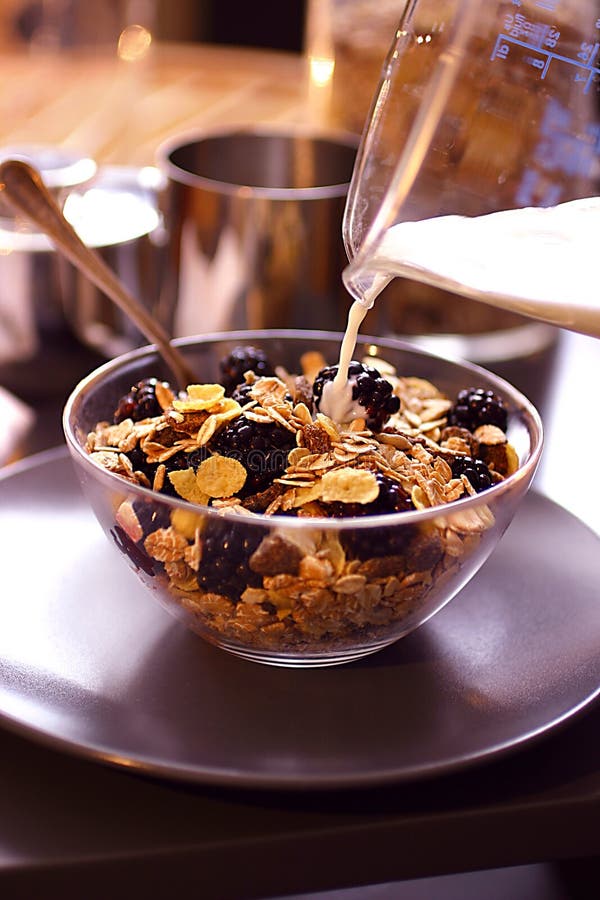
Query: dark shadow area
268	23
265	24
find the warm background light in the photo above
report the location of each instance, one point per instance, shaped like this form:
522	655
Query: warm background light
134	42
321	70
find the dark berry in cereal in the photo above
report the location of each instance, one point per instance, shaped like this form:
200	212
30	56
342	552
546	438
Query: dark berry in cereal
139	463
476	406
261	449
224	565
241	394
139	403
391	499
362	544
369	389
240	360
475	470
151	516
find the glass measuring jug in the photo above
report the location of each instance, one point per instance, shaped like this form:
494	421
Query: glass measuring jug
479	168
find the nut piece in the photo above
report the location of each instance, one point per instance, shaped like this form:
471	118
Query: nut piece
459	440
500	458
275	555
316	439
490	435
302	391
494	449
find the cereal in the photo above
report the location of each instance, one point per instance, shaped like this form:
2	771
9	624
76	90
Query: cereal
200	397
166	545
349	486
276	555
219	476
127	518
186	485
319	587
186	522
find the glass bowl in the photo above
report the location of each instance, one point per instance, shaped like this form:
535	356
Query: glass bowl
336	589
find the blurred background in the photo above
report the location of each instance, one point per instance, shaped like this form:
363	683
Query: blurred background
261	24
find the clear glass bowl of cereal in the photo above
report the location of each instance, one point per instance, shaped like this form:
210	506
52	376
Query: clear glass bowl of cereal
277	533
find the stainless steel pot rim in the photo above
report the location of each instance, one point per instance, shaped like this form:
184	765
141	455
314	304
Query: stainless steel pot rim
120	184
180	175
59	167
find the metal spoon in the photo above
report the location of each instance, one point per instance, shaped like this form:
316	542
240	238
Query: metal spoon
22	187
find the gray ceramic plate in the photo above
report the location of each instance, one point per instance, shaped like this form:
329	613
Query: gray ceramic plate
90	665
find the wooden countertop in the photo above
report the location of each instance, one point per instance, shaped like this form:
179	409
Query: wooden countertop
119	112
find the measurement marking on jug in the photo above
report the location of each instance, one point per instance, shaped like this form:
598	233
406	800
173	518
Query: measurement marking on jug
586	70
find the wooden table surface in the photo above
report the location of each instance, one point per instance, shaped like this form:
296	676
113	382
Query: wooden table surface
119	112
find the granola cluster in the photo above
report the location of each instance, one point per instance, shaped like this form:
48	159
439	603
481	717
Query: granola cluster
266	448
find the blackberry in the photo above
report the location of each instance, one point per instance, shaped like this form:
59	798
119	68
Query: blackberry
362	544
241	393
226	549
476	471
240	360
261	449
391	498
476	406
151	516
369	389
139	462
139	403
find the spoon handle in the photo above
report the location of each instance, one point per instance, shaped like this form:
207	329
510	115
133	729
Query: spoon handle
22	186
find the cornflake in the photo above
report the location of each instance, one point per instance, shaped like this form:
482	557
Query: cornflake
186	485
200	397
187	522
220	476
349	486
